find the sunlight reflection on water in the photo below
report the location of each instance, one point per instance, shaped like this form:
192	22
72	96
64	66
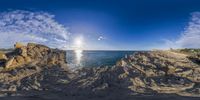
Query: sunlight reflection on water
82	58
79	55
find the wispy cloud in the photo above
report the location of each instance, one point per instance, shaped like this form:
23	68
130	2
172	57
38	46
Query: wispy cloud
27	26
190	38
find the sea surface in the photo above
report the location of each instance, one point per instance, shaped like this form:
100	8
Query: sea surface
79	58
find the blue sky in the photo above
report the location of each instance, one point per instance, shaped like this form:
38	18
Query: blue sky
108	24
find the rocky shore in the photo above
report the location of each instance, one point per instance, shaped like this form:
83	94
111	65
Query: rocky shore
35	71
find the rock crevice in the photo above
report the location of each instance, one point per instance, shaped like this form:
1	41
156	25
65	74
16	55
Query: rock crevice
35	69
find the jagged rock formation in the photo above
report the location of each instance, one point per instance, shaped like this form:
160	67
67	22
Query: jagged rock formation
3	56
46	76
27	65
164	72
31	53
150	73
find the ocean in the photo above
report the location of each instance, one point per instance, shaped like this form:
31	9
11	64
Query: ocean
80	58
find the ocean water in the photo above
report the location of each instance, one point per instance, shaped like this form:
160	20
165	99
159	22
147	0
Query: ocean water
80	58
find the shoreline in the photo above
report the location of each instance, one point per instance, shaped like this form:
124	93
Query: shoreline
156	74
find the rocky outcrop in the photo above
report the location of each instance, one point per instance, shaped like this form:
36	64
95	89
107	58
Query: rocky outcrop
163	72
32	67
37	70
3	56
147	73
31	53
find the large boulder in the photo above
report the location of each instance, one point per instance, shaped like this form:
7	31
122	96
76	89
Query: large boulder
3	59
21	51
9	63
36	51
3	56
18	45
20	59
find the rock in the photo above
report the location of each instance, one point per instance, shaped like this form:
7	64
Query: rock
52	60
27	59
18	45
23	51
3	56
3	59
171	70
121	63
138	82
9	63
18	51
12	88
43	69
31	45
20	60
1	68
36	51
15	62
195	58
3	94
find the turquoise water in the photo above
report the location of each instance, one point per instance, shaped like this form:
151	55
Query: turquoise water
95	58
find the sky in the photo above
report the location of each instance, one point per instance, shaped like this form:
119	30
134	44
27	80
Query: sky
101	24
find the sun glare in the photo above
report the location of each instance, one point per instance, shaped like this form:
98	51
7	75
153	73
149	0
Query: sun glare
78	48
78	43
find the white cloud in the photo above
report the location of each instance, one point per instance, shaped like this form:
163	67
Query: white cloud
190	38
101	38
27	26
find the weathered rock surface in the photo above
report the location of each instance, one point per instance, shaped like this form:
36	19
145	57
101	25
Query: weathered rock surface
3	56
164	72
150	73
31	53
42	72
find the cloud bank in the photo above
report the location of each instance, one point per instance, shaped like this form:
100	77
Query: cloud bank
27	26
190	38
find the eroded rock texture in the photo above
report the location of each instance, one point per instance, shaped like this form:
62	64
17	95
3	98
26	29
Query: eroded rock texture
147	73
45	75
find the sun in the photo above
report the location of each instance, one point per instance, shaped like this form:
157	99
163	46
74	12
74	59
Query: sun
78	43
